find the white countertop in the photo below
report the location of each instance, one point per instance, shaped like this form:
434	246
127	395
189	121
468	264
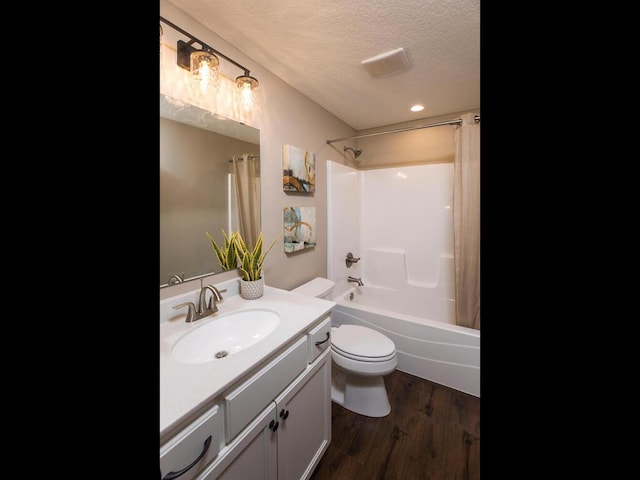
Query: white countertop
187	388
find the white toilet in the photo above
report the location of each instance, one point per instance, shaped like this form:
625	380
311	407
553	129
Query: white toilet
361	358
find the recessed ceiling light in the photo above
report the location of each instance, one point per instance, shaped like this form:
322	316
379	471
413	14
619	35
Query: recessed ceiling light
417	108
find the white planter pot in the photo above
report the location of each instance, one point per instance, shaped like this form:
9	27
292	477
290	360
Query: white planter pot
251	289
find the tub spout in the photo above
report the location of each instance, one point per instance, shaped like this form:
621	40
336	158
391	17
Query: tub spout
355	280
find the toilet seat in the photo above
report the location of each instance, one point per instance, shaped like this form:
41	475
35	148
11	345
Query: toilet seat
364	368
362	344
360	358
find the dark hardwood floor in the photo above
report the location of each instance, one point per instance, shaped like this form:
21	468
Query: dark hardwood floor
432	433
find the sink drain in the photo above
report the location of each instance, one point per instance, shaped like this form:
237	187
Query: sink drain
222	354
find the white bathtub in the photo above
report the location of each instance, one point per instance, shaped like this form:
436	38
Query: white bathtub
417	320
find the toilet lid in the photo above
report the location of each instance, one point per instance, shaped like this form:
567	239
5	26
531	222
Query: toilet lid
355	341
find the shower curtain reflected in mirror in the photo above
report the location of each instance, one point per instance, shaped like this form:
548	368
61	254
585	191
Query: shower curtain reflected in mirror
466	218
245	193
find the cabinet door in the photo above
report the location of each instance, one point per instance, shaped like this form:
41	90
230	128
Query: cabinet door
304	413
252	455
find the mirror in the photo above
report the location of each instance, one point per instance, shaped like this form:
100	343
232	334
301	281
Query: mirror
200	157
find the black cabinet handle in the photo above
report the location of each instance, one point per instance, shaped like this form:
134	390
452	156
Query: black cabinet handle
273	425
172	475
284	414
324	341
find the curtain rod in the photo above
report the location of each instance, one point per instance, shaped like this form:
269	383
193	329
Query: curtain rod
439	124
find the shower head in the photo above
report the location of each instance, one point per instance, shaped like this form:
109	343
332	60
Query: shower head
356	152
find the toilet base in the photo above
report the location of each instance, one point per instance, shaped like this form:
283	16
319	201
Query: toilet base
363	395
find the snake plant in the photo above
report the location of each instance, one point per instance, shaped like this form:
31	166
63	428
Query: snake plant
250	261
226	254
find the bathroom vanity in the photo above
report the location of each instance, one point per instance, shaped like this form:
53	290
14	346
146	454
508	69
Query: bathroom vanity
261	411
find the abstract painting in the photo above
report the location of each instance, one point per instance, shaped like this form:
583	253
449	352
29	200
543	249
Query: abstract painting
299	228
298	170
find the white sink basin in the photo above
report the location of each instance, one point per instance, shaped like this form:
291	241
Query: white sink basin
225	335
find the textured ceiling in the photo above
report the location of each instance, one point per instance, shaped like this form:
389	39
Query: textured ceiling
317	47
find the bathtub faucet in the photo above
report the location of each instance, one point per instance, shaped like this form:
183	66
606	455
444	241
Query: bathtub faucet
355	280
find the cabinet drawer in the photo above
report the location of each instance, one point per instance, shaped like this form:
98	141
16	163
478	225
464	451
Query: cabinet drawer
245	402
319	339
184	448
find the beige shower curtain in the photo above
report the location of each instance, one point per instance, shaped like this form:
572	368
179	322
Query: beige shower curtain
466	221
246	180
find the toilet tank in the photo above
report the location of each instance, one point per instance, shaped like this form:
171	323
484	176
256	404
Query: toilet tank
318	287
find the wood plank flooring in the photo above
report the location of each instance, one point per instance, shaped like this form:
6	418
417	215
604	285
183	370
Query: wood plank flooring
432	433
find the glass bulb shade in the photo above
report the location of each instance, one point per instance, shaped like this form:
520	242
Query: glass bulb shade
247	85
204	70
246	81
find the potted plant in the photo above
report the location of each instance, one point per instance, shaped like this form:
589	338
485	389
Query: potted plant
250	263
226	254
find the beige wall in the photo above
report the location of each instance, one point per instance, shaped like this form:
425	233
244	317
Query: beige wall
285	116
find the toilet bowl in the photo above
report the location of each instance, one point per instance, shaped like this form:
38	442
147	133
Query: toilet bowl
361	357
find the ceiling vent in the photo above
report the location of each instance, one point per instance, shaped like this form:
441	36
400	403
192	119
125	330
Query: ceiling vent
388	63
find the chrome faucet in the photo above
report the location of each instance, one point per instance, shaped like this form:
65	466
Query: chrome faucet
204	309
355	280
207	309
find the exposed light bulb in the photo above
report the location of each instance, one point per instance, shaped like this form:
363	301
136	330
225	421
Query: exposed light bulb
247	98
204	70
247	85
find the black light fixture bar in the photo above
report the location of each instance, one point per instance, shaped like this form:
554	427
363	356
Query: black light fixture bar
185	49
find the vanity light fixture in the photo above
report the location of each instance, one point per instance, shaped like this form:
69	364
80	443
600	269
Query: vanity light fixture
203	64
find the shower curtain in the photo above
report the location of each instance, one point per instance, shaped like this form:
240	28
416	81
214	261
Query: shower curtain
245	172
466	218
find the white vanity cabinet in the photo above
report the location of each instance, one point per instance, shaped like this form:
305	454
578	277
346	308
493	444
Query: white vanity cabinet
288	438
274	424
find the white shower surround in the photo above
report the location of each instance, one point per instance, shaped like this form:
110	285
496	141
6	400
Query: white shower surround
399	221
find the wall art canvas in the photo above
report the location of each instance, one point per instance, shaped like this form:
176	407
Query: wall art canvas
299	228
298	170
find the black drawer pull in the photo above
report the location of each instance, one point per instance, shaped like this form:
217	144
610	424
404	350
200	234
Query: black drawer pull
172	475
324	341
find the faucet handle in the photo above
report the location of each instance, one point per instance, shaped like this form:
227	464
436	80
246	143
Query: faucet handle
350	260
191	311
